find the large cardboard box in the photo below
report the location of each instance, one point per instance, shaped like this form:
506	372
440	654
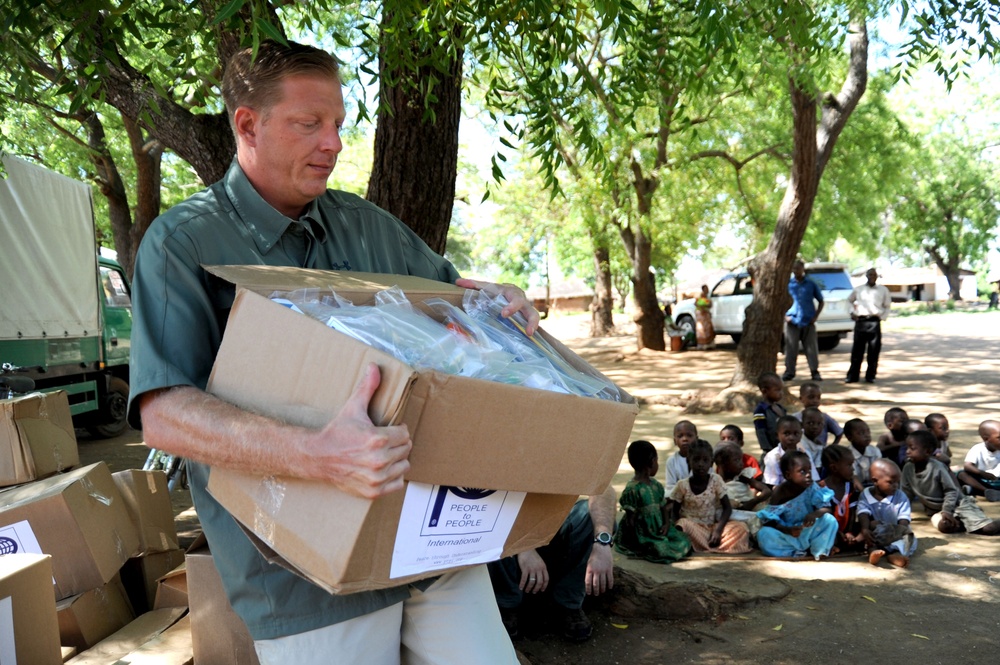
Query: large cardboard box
36	437
87	618
218	634
172	589
29	632
147	500
77	517
149	630
467	433
140	575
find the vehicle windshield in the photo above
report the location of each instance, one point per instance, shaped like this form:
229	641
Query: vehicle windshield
831	279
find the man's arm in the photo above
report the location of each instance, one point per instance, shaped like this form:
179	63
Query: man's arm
600	567
350	453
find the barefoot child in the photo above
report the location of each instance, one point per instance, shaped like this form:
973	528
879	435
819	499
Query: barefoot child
982	463
734	434
685	433
696	502
798	519
884	514
645	531
743	488
839	465
930	481
810	394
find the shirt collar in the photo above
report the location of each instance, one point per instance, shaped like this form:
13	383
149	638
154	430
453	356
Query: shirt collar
265	224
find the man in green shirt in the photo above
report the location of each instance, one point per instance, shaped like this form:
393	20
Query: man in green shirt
273	208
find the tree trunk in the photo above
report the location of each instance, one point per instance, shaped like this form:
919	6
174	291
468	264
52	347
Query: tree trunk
648	317
416	145
813	145
602	322
949	268
147	154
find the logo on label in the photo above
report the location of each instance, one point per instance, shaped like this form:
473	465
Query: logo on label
470	493
7	546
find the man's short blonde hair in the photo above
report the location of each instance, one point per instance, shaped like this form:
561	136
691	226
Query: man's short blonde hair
254	82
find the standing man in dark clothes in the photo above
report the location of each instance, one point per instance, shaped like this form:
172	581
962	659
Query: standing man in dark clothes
871	304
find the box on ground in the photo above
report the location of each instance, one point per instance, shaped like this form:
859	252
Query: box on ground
172	589
466	433
146	630
29	631
140	575
77	517
87	618
147	500
36	437
218	634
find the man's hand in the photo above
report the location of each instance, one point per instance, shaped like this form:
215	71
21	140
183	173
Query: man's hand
517	300
600	570
355	455
534	573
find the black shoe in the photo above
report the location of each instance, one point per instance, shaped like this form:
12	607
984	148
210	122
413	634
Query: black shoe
869	380
576	625
508	615
850	380
787	377
817	377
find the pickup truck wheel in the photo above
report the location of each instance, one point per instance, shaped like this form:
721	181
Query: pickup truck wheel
828	342
686	325
113	411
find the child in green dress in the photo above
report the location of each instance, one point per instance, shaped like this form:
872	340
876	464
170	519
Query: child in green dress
646	531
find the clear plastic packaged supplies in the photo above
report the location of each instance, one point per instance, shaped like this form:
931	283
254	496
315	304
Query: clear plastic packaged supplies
473	341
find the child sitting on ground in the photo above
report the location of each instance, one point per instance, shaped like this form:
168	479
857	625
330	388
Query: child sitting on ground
743	487
982	463
839	465
937	424
696	504
734	434
798	519
810	394
860	437
685	433
645	531
933	483
767	413
884	514
812	424
789	435
891	443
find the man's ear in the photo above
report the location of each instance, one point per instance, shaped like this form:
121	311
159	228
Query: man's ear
245	120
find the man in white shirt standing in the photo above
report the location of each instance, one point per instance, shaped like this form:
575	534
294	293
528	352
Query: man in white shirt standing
871	304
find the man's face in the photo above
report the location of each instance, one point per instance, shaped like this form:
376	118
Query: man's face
871	276
292	147
799	270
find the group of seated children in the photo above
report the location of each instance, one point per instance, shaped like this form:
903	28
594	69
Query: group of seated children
809	495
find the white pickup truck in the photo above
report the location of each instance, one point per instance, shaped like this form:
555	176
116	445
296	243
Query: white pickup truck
731	295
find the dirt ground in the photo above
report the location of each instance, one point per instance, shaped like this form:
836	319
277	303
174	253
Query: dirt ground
942	609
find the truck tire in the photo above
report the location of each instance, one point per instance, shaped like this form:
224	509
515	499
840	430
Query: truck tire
113	411
828	342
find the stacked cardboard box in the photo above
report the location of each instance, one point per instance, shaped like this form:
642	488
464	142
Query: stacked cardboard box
36	437
29	632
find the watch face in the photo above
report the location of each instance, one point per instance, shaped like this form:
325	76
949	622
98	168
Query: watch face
603	538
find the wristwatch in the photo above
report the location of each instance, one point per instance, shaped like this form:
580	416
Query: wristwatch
603	538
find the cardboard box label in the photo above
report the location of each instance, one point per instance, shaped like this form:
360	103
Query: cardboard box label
18	538
442	527
7	642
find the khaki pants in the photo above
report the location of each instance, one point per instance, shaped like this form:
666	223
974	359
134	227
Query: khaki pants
455	621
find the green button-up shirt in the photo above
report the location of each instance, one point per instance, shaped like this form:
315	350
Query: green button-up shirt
180	314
